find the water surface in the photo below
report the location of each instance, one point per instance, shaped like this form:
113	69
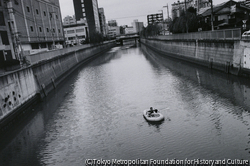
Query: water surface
97	114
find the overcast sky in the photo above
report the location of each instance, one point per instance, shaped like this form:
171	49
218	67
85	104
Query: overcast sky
125	11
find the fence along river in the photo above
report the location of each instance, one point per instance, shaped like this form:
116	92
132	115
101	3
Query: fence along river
97	114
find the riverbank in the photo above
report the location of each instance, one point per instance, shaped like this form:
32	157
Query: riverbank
229	56
21	88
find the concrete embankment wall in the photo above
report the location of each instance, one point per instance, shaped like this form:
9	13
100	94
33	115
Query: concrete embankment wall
224	55
16	88
25	86
229	87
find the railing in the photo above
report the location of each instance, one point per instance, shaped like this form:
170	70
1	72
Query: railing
229	34
35	58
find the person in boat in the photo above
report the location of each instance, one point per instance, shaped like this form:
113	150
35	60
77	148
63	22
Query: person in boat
156	110
151	110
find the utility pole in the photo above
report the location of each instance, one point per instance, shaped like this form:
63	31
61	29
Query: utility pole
198	3
52	30
162	22
167	22
185	6
212	17
13	27
185	11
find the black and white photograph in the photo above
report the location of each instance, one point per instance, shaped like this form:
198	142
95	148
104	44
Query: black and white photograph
124	82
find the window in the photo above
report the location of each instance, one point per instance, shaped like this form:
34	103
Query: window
2	18
40	29
16	2
47	29
79	30
82	1
222	17
4	37
83	10
53	30
44	13
31	28
70	31
71	38
59	30
1	43
81	37
37	12
28	9
82	5
56	16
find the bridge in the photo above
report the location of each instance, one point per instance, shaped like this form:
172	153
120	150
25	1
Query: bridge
121	38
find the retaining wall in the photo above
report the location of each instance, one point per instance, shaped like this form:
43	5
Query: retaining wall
16	89
224	55
25	86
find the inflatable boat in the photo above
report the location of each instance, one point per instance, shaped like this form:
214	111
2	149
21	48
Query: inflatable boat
153	117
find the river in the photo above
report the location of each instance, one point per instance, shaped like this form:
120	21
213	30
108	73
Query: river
97	114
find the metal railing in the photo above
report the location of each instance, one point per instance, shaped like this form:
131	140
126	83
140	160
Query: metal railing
226	34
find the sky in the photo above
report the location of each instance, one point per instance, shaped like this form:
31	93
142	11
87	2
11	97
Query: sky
125	11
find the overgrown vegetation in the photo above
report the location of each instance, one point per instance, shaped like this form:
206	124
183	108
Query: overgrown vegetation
187	22
151	30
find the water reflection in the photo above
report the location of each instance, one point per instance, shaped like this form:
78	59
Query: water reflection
222	93
97	113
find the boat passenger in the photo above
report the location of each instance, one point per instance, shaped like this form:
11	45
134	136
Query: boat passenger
151	110
156	110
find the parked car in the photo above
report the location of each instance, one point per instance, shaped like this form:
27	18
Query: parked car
246	34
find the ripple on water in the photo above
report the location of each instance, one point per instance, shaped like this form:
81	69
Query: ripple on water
102	114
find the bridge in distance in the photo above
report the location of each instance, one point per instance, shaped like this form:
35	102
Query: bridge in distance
121	38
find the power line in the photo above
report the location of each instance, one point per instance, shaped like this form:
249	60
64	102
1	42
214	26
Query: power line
128	17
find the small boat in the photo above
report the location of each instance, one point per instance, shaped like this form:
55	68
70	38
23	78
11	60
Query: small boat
153	117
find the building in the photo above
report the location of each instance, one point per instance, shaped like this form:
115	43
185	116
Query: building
6	45
112	23
154	18
113	31
138	26
75	34
129	30
178	7
103	24
68	20
226	15
36	25
201	4
88	10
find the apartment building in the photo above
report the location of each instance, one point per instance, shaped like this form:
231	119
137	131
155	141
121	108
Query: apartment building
88	10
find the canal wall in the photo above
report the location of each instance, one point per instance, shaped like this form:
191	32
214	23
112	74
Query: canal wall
230	56
21	88
230	87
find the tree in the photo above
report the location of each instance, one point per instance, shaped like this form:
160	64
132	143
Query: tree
96	37
187	22
151	30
